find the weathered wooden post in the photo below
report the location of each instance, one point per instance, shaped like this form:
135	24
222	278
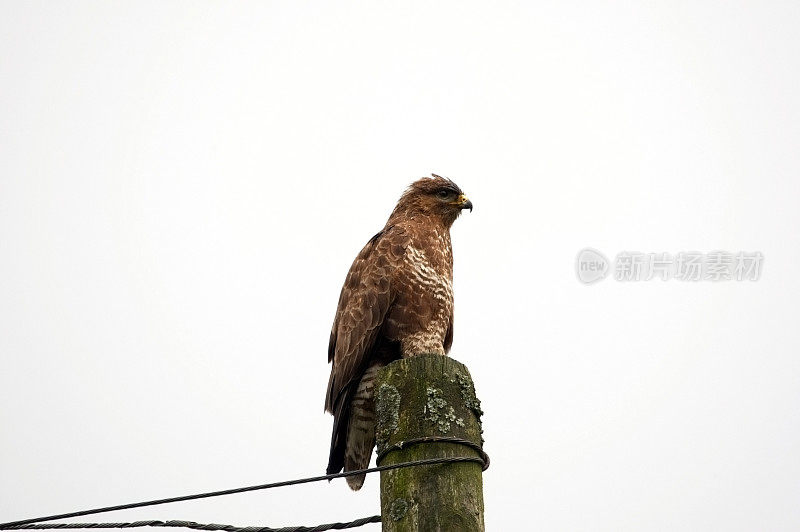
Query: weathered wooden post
427	408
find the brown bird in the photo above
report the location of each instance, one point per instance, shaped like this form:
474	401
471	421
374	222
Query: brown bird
397	301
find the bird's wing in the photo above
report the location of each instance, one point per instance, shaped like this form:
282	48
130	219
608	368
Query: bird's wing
363	304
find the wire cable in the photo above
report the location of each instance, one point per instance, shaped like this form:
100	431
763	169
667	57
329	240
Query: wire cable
399	446
427	461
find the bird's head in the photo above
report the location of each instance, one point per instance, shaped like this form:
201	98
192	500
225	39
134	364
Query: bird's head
436	197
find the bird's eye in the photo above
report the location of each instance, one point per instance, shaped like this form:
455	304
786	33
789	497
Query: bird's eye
443	193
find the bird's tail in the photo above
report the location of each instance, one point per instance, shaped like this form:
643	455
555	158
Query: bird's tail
361	429
341	420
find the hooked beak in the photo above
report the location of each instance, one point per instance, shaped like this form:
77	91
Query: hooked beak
463	203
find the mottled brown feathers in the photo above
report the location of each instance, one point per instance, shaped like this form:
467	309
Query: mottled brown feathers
397	301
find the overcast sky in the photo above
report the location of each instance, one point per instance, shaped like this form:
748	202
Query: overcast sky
183	187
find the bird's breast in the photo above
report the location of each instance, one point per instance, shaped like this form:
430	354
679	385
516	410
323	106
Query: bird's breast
423	307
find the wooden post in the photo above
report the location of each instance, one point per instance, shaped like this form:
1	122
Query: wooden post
429	398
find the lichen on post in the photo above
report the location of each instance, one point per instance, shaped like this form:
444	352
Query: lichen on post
429	397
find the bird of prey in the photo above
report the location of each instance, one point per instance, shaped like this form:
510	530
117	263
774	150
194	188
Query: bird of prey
397	301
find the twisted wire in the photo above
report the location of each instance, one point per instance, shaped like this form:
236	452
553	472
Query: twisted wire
199	526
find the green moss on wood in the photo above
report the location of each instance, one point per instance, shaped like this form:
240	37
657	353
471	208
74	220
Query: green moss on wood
438	412
469	398
388	412
398	509
471	401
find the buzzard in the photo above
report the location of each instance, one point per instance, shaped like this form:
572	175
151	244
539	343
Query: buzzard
397	301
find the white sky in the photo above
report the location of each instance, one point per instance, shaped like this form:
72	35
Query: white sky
184	185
